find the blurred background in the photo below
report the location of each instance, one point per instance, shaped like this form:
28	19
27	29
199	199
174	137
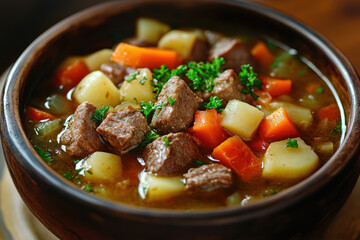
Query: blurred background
21	21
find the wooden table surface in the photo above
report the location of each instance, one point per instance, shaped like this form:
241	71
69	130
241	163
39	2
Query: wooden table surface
339	22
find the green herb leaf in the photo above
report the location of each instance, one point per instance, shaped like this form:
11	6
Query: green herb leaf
214	102
68	175
148	107
132	76
249	80
302	73
198	162
99	114
77	181
276	62
79	170
291	143
88	188
142	81
171	101
337	129
76	161
166	140
319	90
149	137
44	154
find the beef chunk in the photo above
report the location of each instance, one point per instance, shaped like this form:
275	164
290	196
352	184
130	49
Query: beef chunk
138	42
116	72
172	159
200	51
227	86
123	129
208	178
233	51
81	138
179	116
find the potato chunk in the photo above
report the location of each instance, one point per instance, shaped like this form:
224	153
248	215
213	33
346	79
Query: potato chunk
180	41
102	166
97	89
287	163
150	30
158	188
301	116
94	60
140	88
241	119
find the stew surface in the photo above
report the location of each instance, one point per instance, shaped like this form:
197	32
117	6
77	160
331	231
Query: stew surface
185	119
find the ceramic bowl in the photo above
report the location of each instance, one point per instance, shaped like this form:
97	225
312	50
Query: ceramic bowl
298	212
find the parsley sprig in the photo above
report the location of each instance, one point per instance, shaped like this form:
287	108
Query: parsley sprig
337	129
149	137
99	114
214	102
249	79
44	154
132	76
291	143
148	107
167	142
171	101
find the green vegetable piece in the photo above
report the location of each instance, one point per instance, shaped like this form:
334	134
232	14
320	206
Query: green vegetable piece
99	115
214	102
337	129
132	76
68	175
249	80
171	101
320	90
44	154
142	81
291	143
149	137
166	140
148	107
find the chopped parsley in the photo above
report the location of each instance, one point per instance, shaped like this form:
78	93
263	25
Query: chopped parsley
291	143
166	140
79	170
44	154
68	175
77	181
76	161
319	90
88	188
249	79
149	137
302	73
132	76
269	192
276	62
99	114
198	162
90	172
171	101
270	44
142	81
337	129
214	102
148	107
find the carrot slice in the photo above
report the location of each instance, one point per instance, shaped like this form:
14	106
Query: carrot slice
277	126
235	154
257	144
330	112
207	128
276	87
36	114
261	53
69	76
137	57
264	98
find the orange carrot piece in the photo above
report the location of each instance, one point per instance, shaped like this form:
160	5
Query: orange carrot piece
277	126
35	114
264	98
207	128
261	53
330	112
235	154
137	57
69	76
276	87
257	144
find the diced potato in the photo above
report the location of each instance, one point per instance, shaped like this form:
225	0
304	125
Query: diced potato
97	89
301	116
241	119
135	91
158	188
124	105
287	163
180	41
150	30
94	61
325	148
102	166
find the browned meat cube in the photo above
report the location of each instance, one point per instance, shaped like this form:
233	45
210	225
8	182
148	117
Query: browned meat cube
233	51
138	42
199	52
179	116
123	129
227	86
116	72
80	137
170	154
208	178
